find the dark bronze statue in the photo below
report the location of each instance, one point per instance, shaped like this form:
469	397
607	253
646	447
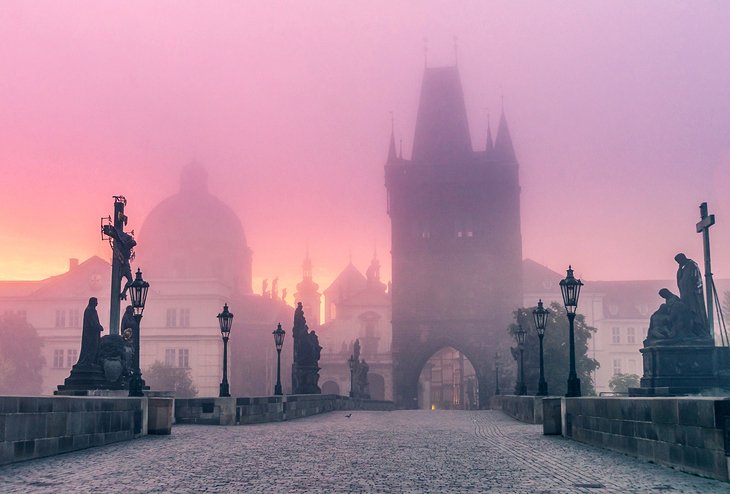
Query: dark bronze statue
90	335
359	387
689	282
681	319
122	246
305	369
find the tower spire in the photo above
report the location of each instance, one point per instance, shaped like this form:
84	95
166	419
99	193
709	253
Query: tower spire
503	149
392	157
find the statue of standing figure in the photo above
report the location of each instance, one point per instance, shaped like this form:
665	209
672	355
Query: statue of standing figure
307	350
689	282
91	333
359	387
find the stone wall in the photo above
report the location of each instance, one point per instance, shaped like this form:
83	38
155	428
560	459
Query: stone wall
240	411
523	408
688	433
33	427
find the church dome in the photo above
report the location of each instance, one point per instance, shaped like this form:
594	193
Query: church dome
193	234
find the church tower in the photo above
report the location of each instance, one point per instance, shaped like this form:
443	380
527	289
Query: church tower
307	294
456	241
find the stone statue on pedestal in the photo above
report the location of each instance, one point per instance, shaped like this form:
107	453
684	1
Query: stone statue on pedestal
359	387
679	353
87	373
305	369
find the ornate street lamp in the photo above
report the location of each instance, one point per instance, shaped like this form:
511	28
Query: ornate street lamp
138	294
496	373
540	314
225	319
351	365
279	342
521	387
571	291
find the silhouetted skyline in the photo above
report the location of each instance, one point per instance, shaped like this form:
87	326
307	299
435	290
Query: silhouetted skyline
618	112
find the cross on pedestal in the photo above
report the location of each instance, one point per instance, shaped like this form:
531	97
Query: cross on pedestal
122	244
703	227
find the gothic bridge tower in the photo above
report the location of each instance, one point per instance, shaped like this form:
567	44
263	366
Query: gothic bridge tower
456	241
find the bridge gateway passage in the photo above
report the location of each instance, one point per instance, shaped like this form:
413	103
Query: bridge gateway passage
403	451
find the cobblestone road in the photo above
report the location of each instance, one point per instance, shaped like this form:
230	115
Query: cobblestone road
404	451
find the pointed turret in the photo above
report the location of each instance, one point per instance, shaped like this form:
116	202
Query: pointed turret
442	130
392	156
503	149
307	292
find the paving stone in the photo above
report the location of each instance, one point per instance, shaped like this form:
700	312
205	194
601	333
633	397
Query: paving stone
403	451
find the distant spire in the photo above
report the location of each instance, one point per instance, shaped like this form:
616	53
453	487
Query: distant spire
392	157
400	154
503	149
490	142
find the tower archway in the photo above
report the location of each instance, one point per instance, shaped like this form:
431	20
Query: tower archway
447	382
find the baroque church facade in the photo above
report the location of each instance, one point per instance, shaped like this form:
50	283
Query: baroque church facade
193	271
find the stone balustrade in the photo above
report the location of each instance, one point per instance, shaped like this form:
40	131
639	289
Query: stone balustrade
253	410
34	426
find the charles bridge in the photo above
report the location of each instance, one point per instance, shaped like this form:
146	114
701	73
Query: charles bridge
355	451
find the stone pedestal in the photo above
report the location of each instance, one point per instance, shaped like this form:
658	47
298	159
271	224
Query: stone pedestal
305	379
82	379
675	370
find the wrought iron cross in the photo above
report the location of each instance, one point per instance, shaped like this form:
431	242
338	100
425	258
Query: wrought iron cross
703	227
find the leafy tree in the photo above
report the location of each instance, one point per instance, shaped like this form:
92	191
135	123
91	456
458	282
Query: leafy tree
163	377
620	383
556	350
21	360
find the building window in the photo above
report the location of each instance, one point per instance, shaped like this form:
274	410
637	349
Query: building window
616	366
464	229
184	318
74	318
72	356
630	335
423	229
60	318
171	320
170	357
183	358
632	366
58	359
615	335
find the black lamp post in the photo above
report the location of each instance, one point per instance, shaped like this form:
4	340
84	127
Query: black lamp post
351	365
540	315
521	387
279	342
138	294
225	319
496	373
571	291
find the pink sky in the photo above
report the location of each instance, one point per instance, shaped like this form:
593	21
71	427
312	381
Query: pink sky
619	112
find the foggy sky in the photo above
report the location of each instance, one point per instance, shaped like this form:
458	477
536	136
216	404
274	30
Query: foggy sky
619	113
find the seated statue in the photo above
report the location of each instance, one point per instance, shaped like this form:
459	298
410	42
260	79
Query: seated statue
674	322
